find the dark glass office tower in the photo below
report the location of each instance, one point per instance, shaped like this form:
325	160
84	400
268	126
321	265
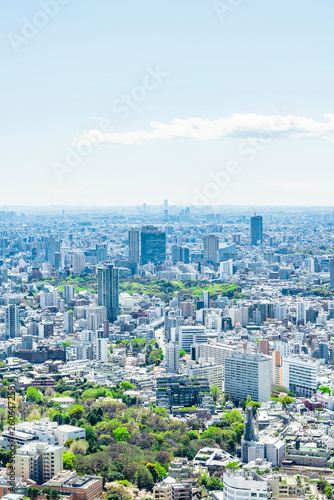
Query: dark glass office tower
256	230
153	245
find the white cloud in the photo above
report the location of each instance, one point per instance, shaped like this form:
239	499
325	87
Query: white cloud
238	125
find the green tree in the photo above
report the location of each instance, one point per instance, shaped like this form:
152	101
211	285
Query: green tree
182	353
126	386
33	395
69	461
77	412
154	471
33	493
255	406
286	400
215	392
143	478
232	466
324	389
121	434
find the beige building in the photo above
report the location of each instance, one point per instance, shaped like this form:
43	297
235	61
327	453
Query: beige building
38	461
170	489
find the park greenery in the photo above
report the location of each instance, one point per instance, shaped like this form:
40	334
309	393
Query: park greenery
147	285
126	443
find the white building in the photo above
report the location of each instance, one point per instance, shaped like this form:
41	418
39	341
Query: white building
301	312
78	263
300	374
189	335
101	350
226	269
242	485
49	299
172	357
213	372
213	320
43	431
248	374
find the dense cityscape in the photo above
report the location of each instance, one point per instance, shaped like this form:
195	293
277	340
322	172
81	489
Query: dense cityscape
167	352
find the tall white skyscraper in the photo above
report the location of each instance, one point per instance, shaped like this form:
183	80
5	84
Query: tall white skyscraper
12	324
301	312
101	350
78	263
172	357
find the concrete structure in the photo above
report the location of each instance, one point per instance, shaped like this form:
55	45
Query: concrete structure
12	324
38	461
189	335
81	487
248	374
108	290
134	245
172	357
300	374
243	485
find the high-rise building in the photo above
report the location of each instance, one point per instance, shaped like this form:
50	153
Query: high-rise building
38	461
250	432
277	368
12	324
323	351
331	274
3	246
180	254
101	349
134	246
211	249
78	263
264	346
27	342
189	335
51	247
187	308
256	230
153	245
248	374
108	290
69	293
301	312
172	357
101	253
300	374
68	322
206	298
166	209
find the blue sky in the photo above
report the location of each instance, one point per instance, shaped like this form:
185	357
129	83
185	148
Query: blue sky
257	78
